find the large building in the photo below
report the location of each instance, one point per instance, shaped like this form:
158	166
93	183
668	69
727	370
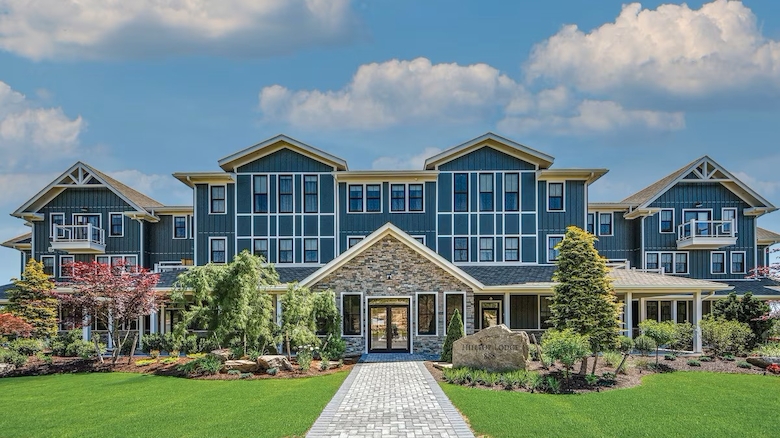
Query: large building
476	230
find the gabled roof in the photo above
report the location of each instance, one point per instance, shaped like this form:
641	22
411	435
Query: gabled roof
274	144
760	287
19	242
490	139
766	237
389	229
84	175
703	169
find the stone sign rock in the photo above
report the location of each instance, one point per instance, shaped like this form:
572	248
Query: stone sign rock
245	366
6	368
274	361
495	348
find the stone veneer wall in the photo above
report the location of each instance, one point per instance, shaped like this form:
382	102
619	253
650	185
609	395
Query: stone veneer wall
410	273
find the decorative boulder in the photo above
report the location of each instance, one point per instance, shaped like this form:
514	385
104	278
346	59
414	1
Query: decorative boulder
222	354
6	368
762	362
245	366
495	348
279	362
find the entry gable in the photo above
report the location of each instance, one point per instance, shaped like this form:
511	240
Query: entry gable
288	146
389	234
489	152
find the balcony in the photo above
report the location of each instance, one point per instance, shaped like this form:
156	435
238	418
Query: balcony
706	234
79	239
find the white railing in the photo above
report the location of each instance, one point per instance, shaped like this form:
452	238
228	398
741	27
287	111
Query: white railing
695	229
170	266
79	233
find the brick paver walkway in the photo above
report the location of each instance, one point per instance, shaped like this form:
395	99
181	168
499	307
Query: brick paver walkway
392	399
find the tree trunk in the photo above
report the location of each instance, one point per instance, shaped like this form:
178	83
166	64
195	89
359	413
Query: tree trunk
595	360
287	344
622	362
97	349
244	340
584	367
132	350
538	350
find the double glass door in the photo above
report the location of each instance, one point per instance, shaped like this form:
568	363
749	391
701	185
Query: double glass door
389	327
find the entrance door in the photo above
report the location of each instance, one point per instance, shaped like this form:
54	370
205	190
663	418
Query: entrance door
84	219
490	313
389	328
702	228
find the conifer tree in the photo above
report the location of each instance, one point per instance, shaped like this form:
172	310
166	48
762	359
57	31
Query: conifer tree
584	300
454	332
32	300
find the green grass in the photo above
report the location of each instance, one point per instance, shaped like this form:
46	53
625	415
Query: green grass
691	404
127	405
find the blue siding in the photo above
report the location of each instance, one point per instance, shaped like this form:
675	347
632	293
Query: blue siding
214	225
622	244
160	245
486	158
555	223
285	160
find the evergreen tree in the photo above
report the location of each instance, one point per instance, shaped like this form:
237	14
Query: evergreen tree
454	332
32	300
748	310
584	300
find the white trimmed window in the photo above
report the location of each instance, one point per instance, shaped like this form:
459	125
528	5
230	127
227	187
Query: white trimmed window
651	260
373	198
117	225
605	224
218	250
397	197
552	251
461	192
285	194
673	262
285	251
57	219
426	314
592	223
511	249
66	268
728	214
461	249
666	220
415	197
260	248
48	264
555	196
351	314
310	251
310	199
260	193
718	262
486	249
511	192
485	192
180	227
355	198
354	240
218	196
738	262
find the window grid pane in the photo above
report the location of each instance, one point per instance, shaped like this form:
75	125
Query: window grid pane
486	249
666	262
415	197
552	252
310	250
355	198
461	253
667	224
218	199
737	263
486	192
261	248
511	249
397	197
180	227
461	192
511	192
285	194
310	193
651	261
605	224
555	197
681	263
592	223
260	194
373	198
218	250
426	314
285	251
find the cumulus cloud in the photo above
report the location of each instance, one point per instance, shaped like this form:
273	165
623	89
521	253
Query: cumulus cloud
762	186
676	50
396	162
163	188
30	135
114	28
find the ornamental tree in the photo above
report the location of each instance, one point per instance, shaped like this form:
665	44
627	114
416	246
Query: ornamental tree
230	300
746	309
454	332
584	300
298	325
14	326
116	295
663	333
32	300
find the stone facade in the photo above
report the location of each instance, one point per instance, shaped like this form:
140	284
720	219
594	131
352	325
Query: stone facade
391	268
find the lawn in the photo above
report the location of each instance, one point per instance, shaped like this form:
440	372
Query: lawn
127	404
691	404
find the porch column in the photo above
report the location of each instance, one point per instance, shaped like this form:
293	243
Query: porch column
278	310
162	318
697	344
110	329
506	309
153	322
85	328
627	315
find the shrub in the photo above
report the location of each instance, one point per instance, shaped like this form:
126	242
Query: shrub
612	358
188	344
609	376
204	365
565	346
334	347
26	347
694	363
645	344
705	359
171	342
152	342
169	360
144	362
45	358
154	354
535	381
725	336
591	379
554	385
728	357
663	333
454	332
744	364
670	356
642	364
272	371
234	372
324	364
747	310
304	358
768	350
70	344
12	357
14	326
340	364
684	337
625	344
207	345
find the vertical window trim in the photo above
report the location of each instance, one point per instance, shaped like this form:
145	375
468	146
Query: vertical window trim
405	198
435	313
611	216
492	241
409	197
462	309
515	192
552	236
744	262
712	263
590	222
455	249
211	250
517	249
660	222
72	259
279	251
455	193
185	227
360	314
316	251
254	248
563	197
211	199
53	264
734	222
316	193
492	191
279	194
350	198
256	192
51	225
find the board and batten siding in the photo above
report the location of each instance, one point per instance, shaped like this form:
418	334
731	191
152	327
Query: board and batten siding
160	244
486	158
555	222
213	225
623	243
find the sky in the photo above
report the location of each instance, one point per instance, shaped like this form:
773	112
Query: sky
146	88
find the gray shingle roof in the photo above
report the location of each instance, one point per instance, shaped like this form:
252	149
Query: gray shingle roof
500	275
286	275
758	287
763	234
4	291
130	193
650	191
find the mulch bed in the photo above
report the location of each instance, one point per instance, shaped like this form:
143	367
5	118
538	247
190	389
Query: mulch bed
65	365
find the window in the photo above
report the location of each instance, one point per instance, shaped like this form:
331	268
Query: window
680	262
426	314
682	311
666	261
555	196
415	197
310	193
260	191
420	239
48	265
350	309
355	198
452	302
285	251
117	225
511	192
737	262
592	223
486	249
666	310
218	250
397	197
310	251
485	192
260	248
180	227
545	313
511	249
728	214
461	253
285	194
461	201
651	308
66	265
57	219
666	217
718	262
651	260
373	198
352	241
552	251
605	224
217	199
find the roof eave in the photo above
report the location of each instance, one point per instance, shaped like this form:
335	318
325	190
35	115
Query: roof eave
542	160
232	161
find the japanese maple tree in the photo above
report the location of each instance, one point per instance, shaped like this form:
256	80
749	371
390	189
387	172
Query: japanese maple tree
11	325
116	295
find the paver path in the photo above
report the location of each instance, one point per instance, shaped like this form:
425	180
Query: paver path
392	399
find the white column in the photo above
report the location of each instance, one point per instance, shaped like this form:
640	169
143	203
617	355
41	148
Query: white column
642	310
85	328
153	322
628	316
506	309
162	318
674	311
278	310
110	329
697	344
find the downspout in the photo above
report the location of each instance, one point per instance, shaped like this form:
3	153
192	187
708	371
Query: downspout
642	242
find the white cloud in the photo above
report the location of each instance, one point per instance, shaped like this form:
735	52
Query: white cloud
19	187
31	136
416	161
718	49
114	28
761	186
163	188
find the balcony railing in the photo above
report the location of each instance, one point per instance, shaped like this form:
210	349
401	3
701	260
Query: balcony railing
706	234
79	238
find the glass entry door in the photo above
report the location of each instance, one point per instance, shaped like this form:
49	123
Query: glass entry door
389	328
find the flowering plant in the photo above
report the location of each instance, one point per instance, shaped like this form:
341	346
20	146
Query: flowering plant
774	368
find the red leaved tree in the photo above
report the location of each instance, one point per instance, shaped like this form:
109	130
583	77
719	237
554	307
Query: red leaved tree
11	325
115	295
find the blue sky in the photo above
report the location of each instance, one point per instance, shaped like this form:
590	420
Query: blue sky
146	88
